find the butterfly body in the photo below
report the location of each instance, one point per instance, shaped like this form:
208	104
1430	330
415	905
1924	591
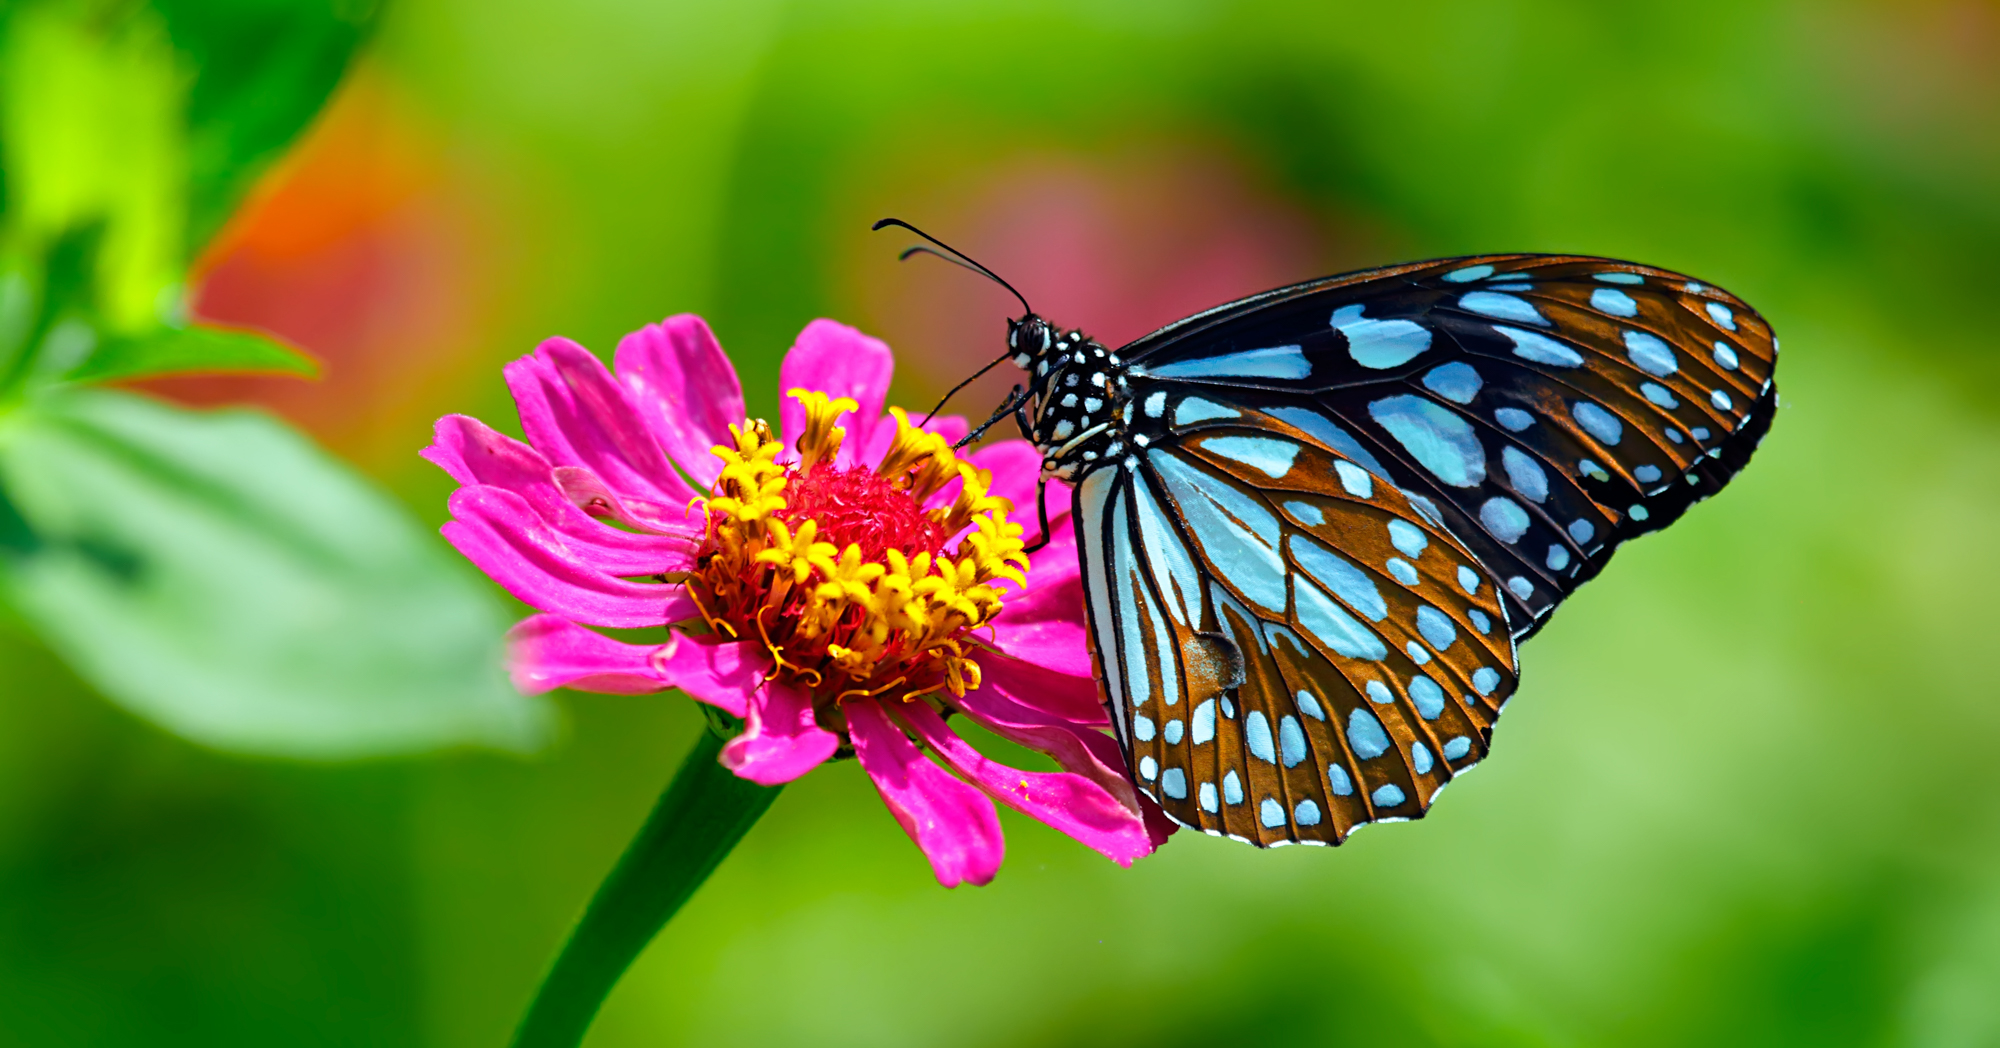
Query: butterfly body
1314	524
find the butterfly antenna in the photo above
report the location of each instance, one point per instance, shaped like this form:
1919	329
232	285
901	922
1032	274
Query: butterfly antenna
956	255
975	375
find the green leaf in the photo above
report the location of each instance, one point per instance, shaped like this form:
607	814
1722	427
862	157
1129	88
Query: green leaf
218	574
185	350
263	70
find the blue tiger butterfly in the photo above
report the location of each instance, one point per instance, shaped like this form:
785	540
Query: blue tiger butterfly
1316	523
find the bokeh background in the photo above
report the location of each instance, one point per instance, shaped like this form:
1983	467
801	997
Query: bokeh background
1747	793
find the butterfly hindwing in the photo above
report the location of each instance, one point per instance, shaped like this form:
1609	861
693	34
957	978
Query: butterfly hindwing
1541	408
1290	648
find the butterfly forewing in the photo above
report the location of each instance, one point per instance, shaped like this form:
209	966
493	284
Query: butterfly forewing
1542	409
1290	648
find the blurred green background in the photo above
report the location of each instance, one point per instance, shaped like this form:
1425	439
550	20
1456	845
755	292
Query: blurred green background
1747	793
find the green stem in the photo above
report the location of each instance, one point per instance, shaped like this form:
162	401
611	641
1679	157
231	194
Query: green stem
701	816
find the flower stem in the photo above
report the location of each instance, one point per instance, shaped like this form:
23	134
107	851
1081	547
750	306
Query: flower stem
700	817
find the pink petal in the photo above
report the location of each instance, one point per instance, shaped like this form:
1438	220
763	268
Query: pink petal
841	362
780	741
545	652
951	427
588	492
1036	685
474	453
499	532
953	823
1016	465
1070	803
684	386
1045	625
548	651
1076	745
1158	826
577	415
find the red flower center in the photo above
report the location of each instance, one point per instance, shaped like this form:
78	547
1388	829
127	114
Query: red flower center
857	506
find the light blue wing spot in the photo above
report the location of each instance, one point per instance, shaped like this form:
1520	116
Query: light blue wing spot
1232	789
1468	579
1456	382
1425	508
1271	457
1456	748
1291	742
1339	781
1322	429
1337	573
1468	274
1156	403
1504	518
1173	567
1333	627
1581	530
1647	474
1416	653
1380	343
1173	783
1502	307
1558	557
1650	355
1512	287
1239	535
1420	758
1271	813
1195	409
1149	769
1720	314
1621	278
1402	571
1725	356
1699	432
1485	679
1353	479
1672	434
1284	362
1306	813
1408	537
1638	512
1592	470
1520	587
1142	727
1525	474
1514	420
1540	349
1365	735
1721	401
1309	705
1659	394
1438	439
1479	621
1204	722
1172	732
1228	708
1616	303
1428	697
1207	796
1597	422
1306	513
1379	692
1257	735
1436	627
1388	796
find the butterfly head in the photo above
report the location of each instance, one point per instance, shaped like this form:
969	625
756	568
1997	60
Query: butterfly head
1029	338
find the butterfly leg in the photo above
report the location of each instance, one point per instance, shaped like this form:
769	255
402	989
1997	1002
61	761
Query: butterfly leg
1042	512
1007	407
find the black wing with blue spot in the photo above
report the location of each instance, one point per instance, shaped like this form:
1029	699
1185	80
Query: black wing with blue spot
1542	409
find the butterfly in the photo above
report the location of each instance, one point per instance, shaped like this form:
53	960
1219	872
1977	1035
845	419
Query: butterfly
1315	524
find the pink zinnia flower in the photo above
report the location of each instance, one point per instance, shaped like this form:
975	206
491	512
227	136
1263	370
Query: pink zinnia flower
843	587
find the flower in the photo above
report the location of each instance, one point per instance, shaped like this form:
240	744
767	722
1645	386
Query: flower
843	586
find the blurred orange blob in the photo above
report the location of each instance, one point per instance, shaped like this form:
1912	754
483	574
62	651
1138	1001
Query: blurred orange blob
361	248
